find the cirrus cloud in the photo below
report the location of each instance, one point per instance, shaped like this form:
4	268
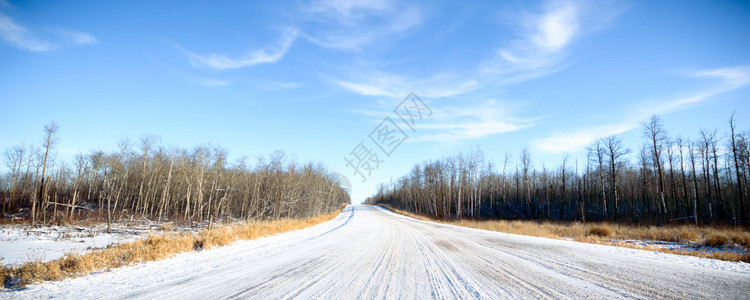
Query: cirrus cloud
725	80
25	39
251	58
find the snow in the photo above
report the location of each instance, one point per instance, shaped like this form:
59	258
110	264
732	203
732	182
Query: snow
683	246
368	252
21	244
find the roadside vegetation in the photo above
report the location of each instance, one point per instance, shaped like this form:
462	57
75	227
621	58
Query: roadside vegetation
152	181
149	183
668	180
723	243
154	247
671	189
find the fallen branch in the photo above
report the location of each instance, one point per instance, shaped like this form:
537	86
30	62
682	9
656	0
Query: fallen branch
68	205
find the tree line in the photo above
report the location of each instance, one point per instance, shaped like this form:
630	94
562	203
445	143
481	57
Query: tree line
671	179
153	181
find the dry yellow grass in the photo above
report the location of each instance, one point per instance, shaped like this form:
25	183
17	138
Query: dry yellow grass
154	247
601	230
609	234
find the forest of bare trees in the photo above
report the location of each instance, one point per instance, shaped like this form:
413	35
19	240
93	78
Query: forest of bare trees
149	180
699	180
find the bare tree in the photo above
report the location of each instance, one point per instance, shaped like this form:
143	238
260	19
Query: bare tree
599	151
740	193
615	150
14	160
564	185
81	163
691	151
48	142
680	146
526	162
654	131
708	139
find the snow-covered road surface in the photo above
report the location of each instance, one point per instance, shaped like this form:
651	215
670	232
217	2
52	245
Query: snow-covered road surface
368	252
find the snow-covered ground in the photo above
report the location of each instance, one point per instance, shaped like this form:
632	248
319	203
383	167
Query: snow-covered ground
21	244
368	252
682	246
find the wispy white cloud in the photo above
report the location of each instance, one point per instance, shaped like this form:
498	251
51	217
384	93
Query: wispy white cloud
346	11
394	86
453	124
545	38
576	140
729	79
76	37
540	49
366	89
276	85
556	28
255	57
21	37
25	39
350	25
457	122
542	44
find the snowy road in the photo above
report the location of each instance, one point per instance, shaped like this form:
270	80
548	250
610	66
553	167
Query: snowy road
368	252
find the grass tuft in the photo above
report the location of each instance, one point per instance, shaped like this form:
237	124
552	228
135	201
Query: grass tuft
689	236
716	240
600	231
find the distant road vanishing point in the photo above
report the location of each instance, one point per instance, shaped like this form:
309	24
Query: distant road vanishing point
368	252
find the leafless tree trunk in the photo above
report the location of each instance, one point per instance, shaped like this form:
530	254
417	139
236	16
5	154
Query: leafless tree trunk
615	151
600	158
14	159
680	146
695	183
741	194
654	131
708	138
564	186
526	161
49	141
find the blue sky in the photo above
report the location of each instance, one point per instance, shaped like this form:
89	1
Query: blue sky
315	78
